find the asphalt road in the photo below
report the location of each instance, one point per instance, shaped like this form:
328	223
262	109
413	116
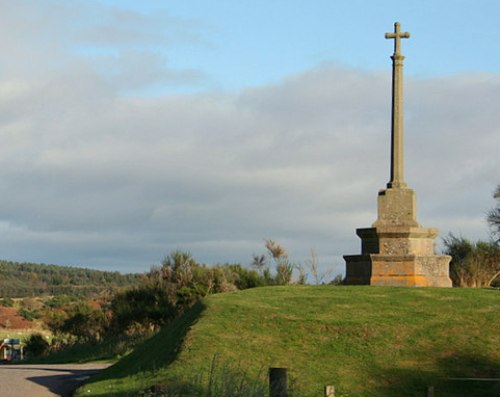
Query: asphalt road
44	380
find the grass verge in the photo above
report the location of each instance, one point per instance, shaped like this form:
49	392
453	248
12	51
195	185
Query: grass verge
367	341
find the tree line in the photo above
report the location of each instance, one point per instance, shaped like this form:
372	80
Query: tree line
31	279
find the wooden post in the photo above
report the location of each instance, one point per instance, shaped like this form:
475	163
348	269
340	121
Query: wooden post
329	391
277	382
430	391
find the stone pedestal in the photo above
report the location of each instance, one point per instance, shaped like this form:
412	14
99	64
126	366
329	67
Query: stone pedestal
396	250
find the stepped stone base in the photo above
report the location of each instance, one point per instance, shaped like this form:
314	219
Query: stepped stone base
403	271
396	250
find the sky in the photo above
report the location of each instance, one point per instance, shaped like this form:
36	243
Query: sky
131	129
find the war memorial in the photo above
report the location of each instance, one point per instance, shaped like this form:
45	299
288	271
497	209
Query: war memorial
396	250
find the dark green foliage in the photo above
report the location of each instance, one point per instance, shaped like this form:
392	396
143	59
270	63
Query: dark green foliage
36	345
85	323
473	264
141	309
187	296
112	348
29	315
29	279
163	294
60	301
167	291
243	278
77	322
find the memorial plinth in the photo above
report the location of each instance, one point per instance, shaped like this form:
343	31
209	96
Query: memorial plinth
397	250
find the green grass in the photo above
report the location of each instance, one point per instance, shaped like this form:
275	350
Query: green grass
366	341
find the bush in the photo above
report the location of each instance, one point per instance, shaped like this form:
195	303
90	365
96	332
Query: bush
473	264
142	308
36	345
244	278
29	315
85	323
60	301
168	290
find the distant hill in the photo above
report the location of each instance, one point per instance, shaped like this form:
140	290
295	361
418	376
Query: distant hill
366	341
31	279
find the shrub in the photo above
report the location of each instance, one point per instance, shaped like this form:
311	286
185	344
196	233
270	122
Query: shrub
36	345
142	308
7	302
473	264
29	315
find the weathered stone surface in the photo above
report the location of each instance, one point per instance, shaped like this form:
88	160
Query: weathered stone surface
397	250
410	270
396	207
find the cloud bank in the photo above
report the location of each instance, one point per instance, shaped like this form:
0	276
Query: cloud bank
96	174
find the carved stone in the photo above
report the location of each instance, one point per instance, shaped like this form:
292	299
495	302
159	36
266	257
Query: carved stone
397	250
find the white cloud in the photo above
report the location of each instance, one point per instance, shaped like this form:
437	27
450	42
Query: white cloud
124	180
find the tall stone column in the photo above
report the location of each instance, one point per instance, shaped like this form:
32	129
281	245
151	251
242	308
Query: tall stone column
397	152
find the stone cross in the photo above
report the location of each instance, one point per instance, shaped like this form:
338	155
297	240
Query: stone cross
397	36
397	163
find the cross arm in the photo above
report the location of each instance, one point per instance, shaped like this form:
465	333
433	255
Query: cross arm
404	35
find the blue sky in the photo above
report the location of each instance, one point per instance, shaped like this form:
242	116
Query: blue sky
130	129
248	43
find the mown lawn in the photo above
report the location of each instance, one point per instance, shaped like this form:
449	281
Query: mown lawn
366	341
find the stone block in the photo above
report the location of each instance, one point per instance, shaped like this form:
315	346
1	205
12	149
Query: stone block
359	269
396	207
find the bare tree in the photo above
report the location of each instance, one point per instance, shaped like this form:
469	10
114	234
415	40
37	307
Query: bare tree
493	216
313	265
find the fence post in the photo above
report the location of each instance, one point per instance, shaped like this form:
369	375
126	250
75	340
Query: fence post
277	382
329	391
430	391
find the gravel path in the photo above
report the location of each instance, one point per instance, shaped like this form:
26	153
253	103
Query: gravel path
44	380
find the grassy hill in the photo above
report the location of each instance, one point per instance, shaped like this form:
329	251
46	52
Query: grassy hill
32	279
367	341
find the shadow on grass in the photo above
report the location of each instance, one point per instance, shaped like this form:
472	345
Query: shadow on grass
108	349
218	380
461	375
158	351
